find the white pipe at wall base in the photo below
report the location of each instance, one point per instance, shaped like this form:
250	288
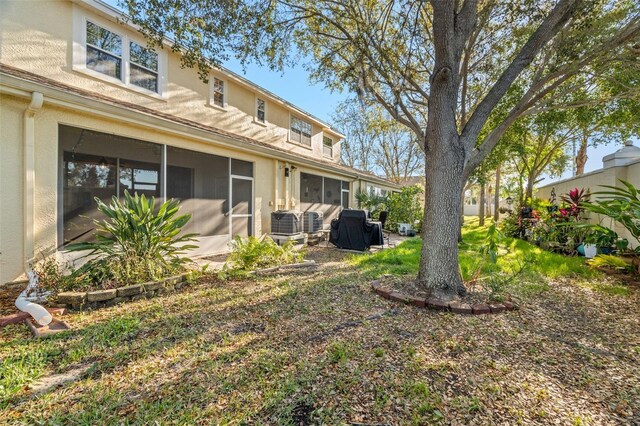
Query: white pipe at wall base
39	313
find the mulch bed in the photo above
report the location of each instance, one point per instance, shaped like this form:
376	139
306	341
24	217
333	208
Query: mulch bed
408	291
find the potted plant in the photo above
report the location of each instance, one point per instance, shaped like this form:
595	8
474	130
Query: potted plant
589	245
604	238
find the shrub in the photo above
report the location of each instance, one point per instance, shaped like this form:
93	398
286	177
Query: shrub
135	243
622	204
405	207
372	202
249	254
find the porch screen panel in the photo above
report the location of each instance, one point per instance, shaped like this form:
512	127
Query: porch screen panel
310	192
201	183
332	198
96	164
322	194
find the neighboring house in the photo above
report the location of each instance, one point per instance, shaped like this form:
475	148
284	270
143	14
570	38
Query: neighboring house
623	164
87	111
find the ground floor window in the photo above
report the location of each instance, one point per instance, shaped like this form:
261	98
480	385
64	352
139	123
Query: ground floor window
217	191
318	193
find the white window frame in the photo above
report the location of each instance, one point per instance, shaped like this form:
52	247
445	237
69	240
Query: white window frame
300	143
255	118
225	91
79	54
131	62
324	138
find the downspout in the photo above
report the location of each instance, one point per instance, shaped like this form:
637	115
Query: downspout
40	314
276	187
29	177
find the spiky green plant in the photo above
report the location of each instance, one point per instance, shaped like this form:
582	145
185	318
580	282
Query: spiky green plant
135	243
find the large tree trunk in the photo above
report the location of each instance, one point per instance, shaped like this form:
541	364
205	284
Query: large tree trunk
482	204
496	199
439	271
581	157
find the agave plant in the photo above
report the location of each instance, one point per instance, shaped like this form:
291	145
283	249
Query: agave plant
134	242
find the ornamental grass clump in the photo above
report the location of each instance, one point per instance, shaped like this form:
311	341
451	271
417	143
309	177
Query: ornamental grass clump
135	243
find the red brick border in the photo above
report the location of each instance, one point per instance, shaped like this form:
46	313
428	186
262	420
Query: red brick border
456	307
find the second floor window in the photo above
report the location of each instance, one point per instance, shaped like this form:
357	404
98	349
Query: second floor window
144	67
218	92
104	51
261	115
327	146
300	131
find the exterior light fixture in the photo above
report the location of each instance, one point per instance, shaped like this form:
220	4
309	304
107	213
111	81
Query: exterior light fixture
103	164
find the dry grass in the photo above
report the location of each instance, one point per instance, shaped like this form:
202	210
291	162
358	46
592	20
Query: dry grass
318	347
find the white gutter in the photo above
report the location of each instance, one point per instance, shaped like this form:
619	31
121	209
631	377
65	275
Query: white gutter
29	165
40	314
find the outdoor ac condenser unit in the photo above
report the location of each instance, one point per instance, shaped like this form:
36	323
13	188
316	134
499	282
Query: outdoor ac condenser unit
404	228
312	221
286	222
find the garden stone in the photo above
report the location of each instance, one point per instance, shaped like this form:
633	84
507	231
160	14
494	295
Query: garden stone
419	302
173	280
510	306
101	295
153	285
460	308
72	298
481	309
398	297
130	290
496	308
437	304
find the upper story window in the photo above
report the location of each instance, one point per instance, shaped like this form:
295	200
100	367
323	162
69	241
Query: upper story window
327	146
104	51
144	67
218	92
261	111
300	131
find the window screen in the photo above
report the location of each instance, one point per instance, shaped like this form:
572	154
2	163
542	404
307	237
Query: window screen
104	51
95	164
201	183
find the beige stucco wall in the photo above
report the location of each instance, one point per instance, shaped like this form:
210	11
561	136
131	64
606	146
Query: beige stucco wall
271	189
43	43
46	183
11	189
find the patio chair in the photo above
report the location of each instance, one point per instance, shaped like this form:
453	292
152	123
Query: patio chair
382	218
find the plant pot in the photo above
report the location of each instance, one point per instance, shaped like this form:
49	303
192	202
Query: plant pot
605	250
590	251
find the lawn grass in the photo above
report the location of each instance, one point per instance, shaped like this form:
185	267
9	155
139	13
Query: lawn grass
318	347
537	265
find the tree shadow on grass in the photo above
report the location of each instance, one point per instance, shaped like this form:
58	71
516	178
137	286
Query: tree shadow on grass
265	351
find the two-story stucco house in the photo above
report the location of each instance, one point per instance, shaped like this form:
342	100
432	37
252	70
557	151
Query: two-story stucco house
88	111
